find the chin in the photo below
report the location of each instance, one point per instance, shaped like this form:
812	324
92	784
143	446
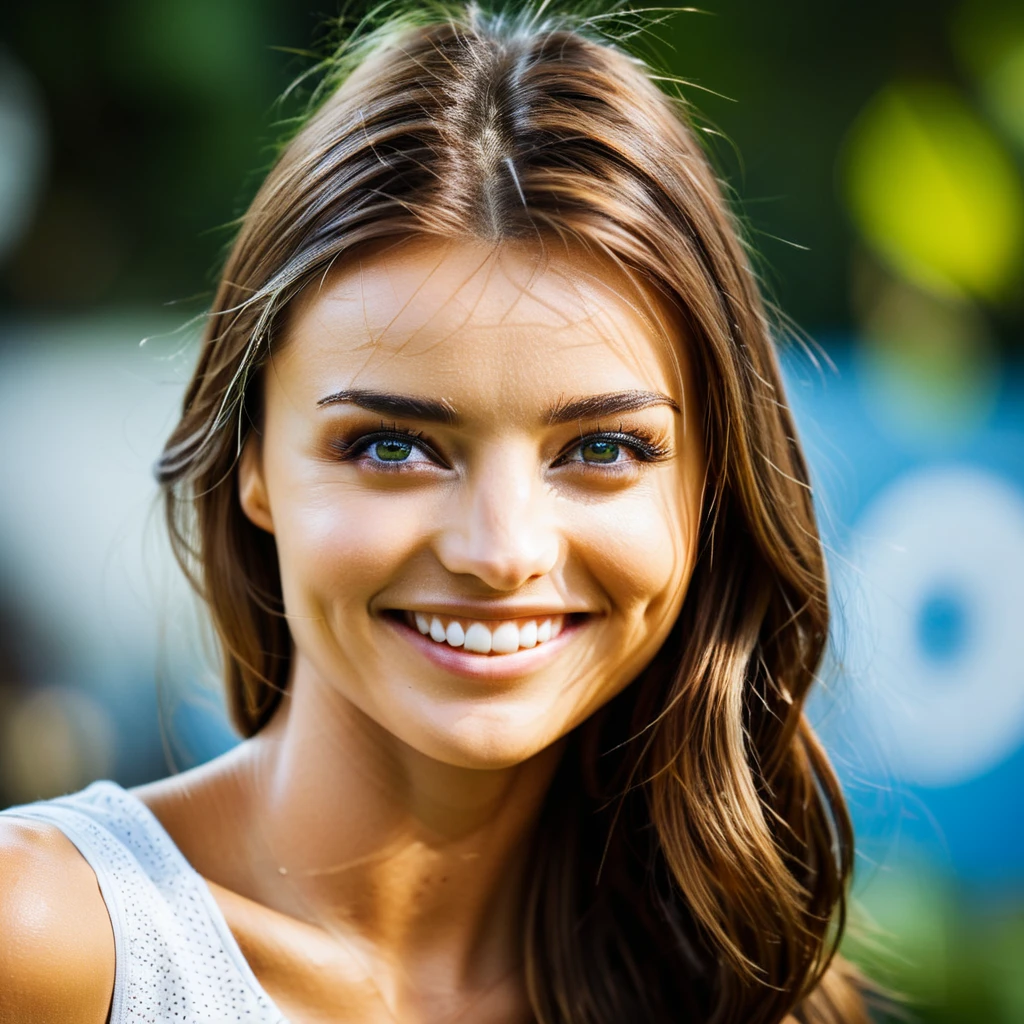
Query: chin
485	739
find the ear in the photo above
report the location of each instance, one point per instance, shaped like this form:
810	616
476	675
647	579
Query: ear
252	488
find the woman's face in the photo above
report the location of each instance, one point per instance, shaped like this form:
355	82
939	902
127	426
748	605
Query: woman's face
484	471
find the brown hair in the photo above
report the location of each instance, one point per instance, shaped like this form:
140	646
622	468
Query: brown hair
694	852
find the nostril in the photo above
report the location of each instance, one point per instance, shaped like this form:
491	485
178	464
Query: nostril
505	551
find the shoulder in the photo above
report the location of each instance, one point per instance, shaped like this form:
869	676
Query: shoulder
57	952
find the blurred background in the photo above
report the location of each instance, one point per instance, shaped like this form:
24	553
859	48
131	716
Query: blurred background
876	154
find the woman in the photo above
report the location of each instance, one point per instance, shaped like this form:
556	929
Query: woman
487	477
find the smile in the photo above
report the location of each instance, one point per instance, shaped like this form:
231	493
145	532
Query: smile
486	652
479	637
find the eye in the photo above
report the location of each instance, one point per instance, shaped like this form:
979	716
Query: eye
600	451
615	449
387	449
390	450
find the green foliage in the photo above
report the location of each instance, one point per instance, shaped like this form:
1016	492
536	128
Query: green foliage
951	955
934	192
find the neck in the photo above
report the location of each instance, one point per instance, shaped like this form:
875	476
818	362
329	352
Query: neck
359	834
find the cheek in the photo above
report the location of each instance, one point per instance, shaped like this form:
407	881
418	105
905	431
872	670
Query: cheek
336	542
640	551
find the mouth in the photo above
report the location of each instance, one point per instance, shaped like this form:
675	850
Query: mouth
477	636
491	648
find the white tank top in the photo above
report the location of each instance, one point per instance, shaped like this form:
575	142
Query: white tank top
175	957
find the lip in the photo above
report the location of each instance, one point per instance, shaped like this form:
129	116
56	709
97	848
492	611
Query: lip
493	612
489	667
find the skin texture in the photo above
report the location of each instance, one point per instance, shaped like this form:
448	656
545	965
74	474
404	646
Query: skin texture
57	945
367	847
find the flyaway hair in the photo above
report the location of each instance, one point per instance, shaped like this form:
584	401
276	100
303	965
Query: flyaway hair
694	853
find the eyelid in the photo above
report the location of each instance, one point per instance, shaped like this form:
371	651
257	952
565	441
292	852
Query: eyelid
645	446
350	450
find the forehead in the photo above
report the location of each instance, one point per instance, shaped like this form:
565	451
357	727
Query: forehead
509	326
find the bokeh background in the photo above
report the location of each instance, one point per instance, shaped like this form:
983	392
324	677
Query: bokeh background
876	155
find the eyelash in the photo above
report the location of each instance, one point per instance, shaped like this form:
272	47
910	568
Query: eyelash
645	446
347	451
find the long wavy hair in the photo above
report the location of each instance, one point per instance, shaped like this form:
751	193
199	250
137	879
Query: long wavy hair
694	851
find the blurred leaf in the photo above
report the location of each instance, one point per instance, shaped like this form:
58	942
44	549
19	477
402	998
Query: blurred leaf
948	954
209	50
989	37
934	193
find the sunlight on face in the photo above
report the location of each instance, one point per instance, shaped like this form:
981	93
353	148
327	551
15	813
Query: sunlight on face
483	469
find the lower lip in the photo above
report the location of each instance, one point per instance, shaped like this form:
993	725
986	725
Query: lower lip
489	666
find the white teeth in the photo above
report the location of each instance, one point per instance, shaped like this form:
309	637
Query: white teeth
478	638
505	639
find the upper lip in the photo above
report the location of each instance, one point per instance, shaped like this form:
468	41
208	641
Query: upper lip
484	612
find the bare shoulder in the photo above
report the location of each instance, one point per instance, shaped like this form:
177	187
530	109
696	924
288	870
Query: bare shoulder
57	950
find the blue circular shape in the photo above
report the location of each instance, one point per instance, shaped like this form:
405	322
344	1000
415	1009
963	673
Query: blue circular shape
943	626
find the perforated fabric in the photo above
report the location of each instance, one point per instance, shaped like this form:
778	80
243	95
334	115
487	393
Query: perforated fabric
176	959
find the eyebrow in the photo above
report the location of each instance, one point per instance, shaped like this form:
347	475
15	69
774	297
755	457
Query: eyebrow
596	406
433	411
401	406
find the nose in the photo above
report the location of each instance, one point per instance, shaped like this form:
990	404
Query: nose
501	528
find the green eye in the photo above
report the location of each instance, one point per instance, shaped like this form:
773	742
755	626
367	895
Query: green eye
599	451
391	450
